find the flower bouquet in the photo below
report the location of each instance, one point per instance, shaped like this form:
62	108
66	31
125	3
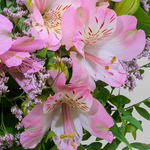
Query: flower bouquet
60	61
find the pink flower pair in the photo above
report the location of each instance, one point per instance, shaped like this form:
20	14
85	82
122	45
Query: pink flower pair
98	38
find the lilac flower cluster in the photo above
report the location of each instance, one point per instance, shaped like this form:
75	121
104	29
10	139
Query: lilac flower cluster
17	112
132	68
6	141
144	5
67	61
37	82
14	16
3	87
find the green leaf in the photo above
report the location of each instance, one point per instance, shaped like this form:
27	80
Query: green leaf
141	71
80	147
86	136
117	133
54	148
143	112
142	17
147	104
132	130
98	139
112	146
133	121
145	28
140	146
42	52
2	4
103	95
120	100
50	55
94	145
49	135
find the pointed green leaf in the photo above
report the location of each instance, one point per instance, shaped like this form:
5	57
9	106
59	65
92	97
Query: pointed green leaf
86	136
49	135
80	147
54	148
42	52
132	130
117	133
143	112
133	121
94	145
112	146
147	104
142	17
139	146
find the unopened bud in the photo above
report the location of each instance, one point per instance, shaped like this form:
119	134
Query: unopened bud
126	7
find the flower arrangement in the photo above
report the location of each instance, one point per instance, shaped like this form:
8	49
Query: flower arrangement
57	60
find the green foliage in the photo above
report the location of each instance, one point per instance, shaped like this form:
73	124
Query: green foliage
117	133
86	136
94	145
139	146
143	112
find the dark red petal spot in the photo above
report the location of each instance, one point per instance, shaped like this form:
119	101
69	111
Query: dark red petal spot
102	25
80	97
73	92
41	30
67	95
111	73
80	32
96	19
90	29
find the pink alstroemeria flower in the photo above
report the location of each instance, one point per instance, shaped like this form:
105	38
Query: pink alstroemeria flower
46	21
5	34
66	113
101	40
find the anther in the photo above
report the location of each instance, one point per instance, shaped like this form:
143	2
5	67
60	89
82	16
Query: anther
63	136
107	67
72	144
72	135
113	59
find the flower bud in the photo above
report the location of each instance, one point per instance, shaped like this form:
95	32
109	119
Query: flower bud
126	7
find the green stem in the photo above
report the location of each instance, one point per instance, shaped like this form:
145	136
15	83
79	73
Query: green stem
2	122
137	104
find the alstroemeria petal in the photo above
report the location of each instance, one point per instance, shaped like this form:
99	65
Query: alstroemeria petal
97	121
37	15
30	65
95	67
65	121
126	42
102	25
5	34
36	124
80	78
12	58
69	22
27	44
60	80
78	98
52	102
